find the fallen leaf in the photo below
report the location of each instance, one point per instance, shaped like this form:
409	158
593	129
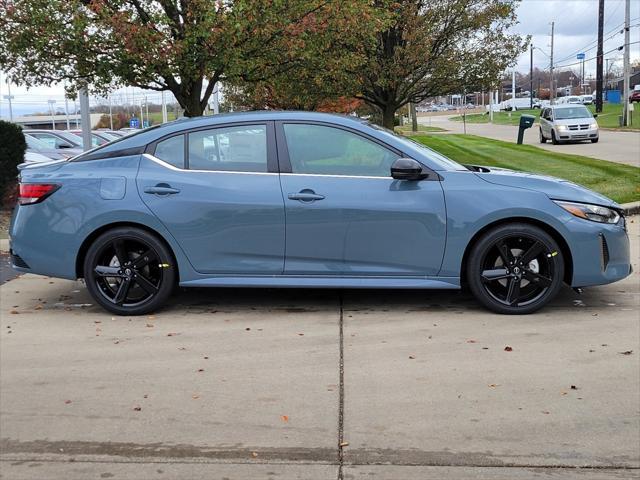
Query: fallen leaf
284	418
206	358
14	312
254	454
344	444
627	352
67	402
471	341
145	396
591	351
137	409
411	357
116	342
172	334
508	349
182	348
201	370
301	334
573	387
38	307
493	385
195	397
247	329
485	348
97	321
545	412
149	325
151	317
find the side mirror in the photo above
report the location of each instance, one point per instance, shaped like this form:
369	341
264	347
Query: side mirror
407	169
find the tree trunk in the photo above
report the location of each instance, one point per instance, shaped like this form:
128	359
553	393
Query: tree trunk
414	118
388	116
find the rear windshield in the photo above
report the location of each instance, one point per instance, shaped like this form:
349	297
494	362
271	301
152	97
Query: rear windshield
572	112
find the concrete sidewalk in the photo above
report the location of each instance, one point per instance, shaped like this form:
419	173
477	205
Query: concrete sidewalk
614	146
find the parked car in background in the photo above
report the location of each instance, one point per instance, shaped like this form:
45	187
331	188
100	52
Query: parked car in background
519	104
586	99
38	146
635	94
35	157
212	202
570	99
98	138
58	139
565	123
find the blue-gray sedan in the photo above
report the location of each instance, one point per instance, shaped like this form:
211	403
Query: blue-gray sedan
294	199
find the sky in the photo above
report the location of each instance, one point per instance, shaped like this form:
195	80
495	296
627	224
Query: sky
576	23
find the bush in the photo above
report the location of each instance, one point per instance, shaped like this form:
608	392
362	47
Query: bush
12	148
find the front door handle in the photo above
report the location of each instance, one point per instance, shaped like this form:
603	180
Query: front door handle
161	189
305	195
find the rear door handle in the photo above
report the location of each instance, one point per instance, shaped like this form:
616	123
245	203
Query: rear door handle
161	189
305	195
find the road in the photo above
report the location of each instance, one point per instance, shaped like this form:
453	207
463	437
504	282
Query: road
614	146
243	384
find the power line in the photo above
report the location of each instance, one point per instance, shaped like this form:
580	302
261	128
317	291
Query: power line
593	58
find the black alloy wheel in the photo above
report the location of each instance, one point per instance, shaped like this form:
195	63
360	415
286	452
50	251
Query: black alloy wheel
129	271
516	269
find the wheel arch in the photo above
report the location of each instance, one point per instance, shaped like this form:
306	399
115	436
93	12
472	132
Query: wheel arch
86	243
562	243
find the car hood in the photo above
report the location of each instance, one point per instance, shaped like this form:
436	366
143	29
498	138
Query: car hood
554	188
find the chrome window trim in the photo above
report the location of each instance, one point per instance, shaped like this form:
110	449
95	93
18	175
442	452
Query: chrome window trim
335	176
161	162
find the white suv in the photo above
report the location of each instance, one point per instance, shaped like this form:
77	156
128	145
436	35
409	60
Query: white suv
567	122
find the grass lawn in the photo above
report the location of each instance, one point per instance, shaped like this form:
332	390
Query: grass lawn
406	129
619	182
607	119
156	117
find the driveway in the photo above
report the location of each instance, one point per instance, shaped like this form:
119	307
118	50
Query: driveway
614	146
309	384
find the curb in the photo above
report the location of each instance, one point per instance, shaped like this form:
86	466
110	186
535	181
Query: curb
632	208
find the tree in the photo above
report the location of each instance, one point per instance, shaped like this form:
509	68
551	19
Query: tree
436	47
12	148
184	46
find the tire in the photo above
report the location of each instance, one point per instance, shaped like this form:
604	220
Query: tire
595	140
542	137
533	274
145	283
554	140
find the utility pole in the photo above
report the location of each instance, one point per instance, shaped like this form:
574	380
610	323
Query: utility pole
625	103
141	115
9	97
51	111
164	109
216	100
110	114
75	112
513	90
531	80
85	117
66	110
551	92
599	59
146	107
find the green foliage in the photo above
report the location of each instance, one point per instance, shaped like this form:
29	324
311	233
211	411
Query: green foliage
617	181
12	148
185	46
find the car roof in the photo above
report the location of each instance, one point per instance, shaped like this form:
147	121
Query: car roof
567	105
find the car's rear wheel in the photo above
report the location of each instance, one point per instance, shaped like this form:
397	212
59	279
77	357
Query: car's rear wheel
129	271
542	137
554	139
515	269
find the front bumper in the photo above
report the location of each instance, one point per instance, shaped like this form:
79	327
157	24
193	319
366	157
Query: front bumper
600	252
575	135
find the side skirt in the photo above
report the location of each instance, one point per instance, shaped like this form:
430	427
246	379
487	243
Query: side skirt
282	281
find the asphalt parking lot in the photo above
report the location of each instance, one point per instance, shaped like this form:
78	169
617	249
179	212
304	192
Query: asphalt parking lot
241	384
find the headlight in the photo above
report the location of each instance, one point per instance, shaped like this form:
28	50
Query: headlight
593	126
595	213
562	128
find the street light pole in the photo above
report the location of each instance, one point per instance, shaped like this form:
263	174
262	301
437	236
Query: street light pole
551	68
625	103
599	56
9	97
110	114
531	80
51	111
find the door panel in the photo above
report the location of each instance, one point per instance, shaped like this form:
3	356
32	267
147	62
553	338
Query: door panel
227	222
346	215
364	226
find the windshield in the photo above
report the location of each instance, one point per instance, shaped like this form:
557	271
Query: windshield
35	144
413	144
572	112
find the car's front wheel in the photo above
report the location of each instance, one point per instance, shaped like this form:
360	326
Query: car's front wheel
515	269
554	139
129	271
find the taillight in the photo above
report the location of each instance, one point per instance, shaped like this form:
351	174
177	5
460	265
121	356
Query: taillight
30	193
